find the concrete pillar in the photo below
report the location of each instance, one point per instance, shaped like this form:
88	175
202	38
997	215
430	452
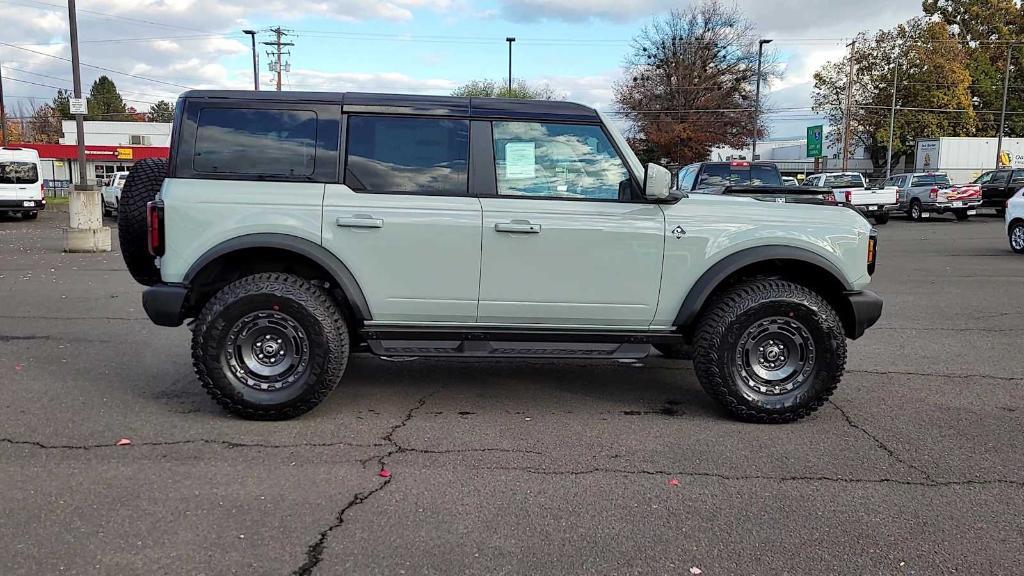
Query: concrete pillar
86	232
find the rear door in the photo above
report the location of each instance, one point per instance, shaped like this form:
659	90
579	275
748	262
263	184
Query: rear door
402	219
566	239
19	180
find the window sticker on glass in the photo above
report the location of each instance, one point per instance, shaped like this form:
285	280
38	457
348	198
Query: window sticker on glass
520	160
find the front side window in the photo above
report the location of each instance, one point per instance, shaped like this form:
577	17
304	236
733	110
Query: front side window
687	177
984	178
407	155
1001	178
260	142
810	181
558	160
18	173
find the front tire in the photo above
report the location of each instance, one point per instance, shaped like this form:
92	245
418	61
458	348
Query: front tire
961	215
770	351
270	346
1017	237
881	218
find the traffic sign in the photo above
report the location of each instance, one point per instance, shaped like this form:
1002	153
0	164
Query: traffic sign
78	106
815	135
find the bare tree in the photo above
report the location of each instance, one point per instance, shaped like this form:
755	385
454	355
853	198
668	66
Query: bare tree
690	83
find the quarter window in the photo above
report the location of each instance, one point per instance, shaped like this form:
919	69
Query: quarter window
1018	177
256	141
407	155
558	160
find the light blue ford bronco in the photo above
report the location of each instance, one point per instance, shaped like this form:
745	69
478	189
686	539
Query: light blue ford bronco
293	228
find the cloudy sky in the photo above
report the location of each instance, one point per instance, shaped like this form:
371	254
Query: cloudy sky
155	49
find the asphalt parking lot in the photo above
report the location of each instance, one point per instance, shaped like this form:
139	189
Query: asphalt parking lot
533	467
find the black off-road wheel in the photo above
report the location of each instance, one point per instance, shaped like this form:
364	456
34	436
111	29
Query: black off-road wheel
675	351
1017	237
270	346
881	218
961	215
140	188
770	351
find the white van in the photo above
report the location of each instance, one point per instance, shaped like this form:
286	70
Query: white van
21	183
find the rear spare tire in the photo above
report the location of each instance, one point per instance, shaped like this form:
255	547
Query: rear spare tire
140	188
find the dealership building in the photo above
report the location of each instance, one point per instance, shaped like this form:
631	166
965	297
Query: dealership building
109	147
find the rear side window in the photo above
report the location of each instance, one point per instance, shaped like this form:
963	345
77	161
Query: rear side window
18	173
930	180
256	142
1018	177
1001	178
407	155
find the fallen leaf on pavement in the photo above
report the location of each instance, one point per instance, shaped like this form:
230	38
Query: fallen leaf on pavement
385	473
124	442
674	482
695	571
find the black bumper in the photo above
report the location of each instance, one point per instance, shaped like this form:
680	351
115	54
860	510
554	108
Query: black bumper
165	304
19	205
865	309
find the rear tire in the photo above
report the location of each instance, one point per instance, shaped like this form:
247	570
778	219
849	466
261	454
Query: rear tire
961	215
270	346
916	213
1000	212
770	351
882	218
140	188
1017	237
30	215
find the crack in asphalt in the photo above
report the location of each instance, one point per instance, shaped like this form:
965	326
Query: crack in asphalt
224	443
314	553
4	338
745	477
935	375
885	447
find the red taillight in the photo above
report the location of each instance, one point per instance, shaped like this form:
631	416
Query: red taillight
155	221
933	193
42	190
830	198
849	196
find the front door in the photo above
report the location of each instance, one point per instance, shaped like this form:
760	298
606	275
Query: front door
566	240
403	221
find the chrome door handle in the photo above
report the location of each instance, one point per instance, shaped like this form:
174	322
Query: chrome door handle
518	227
360	221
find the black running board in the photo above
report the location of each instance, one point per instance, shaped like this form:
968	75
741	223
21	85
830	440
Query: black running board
443	342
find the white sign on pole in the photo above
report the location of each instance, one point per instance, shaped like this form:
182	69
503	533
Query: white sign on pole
78	106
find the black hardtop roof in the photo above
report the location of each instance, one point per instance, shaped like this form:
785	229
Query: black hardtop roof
417	104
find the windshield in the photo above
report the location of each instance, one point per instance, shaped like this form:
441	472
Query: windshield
930	179
844	181
18	173
713	175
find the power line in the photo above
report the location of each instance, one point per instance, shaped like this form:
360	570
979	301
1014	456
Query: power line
111	70
61	9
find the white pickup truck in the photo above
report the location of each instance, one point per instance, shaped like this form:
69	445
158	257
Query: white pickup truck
850	190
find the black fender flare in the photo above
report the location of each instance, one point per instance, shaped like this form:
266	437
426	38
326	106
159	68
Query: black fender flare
315	252
719	271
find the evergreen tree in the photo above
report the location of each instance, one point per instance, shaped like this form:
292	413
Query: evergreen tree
105	103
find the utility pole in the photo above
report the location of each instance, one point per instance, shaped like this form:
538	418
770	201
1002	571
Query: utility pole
757	97
3	112
86	232
1006	90
255	65
849	107
510	40
892	116
277	65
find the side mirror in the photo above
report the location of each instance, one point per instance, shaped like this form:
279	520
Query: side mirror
657	182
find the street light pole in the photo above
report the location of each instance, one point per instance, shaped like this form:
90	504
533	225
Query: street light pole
1002	117
892	117
3	112
510	40
86	232
849	107
255	66
757	96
